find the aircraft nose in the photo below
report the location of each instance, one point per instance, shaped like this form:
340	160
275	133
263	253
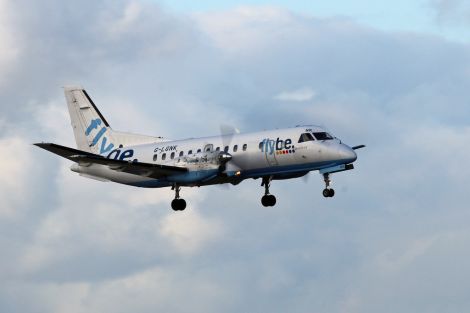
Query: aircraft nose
347	154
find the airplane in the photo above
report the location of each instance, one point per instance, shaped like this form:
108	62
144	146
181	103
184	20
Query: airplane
105	154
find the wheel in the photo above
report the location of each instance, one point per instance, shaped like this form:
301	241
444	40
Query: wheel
331	193
268	200
271	200
265	200
174	204
178	204
181	204
326	193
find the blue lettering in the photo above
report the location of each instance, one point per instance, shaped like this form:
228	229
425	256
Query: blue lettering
105	149
271	145
287	143
126	154
117	152
98	136
93	125
263	145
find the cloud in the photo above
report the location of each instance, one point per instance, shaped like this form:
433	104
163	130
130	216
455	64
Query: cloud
298	95
16	167
452	11
394	236
10	47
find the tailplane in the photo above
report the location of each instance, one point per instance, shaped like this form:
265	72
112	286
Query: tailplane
92	132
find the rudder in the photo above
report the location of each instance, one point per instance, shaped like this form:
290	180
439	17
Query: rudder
92	131
90	128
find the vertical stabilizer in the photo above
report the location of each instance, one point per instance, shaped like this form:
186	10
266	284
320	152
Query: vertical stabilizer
90	128
92	131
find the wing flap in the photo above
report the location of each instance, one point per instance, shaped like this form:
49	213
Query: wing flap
136	168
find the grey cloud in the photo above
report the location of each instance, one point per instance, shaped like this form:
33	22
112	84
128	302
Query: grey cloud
397	226
453	12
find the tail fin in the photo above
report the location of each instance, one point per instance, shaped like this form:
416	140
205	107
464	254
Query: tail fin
92	131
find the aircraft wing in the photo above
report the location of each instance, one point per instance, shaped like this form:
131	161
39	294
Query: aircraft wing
136	168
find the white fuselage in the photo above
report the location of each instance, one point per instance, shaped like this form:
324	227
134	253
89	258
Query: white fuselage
278	154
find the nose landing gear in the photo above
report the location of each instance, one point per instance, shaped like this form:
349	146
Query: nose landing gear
268	199
328	192
178	204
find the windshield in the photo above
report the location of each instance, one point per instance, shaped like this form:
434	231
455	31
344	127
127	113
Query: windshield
306	137
323	136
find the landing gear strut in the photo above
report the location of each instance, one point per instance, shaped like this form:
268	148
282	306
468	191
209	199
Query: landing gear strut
177	204
328	192
267	199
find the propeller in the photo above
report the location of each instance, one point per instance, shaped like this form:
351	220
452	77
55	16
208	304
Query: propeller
305	178
226	132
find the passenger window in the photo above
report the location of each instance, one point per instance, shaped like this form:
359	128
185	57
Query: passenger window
226	149
306	137
323	136
260	146
208	147
217	149
172	156
181	153
163	156
245	146
155	157
198	150
190	152
235	148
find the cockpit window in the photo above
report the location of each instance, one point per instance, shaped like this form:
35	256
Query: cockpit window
306	137
323	136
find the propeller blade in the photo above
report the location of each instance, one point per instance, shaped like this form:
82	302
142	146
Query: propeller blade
358	147
305	178
227	132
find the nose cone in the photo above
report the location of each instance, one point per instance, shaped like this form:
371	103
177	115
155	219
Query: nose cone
347	154
224	157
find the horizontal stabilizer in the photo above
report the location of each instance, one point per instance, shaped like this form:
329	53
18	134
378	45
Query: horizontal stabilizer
131	167
64	152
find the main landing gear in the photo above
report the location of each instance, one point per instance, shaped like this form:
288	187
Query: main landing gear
328	192
267	199
177	204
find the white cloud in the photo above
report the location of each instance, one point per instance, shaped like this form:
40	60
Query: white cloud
84	244
9	42
15	168
189	232
298	95
392	260
246	29
124	24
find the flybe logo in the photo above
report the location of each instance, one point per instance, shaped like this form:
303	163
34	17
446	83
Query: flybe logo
104	147
278	146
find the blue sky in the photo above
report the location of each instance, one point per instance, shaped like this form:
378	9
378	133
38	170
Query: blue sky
400	15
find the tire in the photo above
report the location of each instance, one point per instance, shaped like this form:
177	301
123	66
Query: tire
174	204
181	204
265	200
178	204
272	200
331	193
326	193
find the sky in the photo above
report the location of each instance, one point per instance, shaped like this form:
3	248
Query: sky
439	17
393	239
